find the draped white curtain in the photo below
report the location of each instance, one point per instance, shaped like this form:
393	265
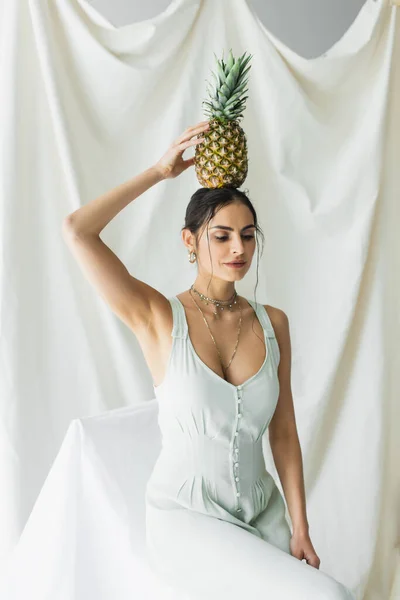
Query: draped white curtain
85	106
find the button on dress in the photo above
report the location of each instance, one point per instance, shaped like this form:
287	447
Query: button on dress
211	505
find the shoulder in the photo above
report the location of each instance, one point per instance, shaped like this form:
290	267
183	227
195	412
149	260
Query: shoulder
280	323
277	316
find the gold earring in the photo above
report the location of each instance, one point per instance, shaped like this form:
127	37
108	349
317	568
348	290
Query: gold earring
192	260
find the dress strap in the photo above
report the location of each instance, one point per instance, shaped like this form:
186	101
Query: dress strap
268	329
180	328
263	317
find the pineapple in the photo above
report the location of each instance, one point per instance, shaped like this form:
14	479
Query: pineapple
221	160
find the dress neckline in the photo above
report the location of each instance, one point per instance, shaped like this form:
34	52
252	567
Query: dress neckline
207	368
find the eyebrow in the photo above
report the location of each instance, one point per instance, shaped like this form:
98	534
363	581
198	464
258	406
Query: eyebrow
230	228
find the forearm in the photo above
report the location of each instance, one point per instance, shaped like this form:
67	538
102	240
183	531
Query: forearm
96	214
289	465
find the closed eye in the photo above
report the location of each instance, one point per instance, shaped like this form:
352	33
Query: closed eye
225	237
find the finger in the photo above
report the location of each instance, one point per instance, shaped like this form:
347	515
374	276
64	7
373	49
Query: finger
199	124
186	136
189	162
313	562
189	143
191	132
298	555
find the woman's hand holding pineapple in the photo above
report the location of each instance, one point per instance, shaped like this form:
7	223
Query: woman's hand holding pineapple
172	164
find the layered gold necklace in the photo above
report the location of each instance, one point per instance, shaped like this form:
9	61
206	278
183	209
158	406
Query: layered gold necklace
219	305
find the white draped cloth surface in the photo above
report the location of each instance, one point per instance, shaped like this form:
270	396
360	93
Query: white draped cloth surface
86	106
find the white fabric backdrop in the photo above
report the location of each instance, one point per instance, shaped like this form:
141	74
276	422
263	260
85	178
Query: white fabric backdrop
84	107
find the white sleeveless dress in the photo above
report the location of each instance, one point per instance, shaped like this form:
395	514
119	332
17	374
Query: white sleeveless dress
215	518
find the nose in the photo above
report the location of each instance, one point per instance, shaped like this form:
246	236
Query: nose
238	245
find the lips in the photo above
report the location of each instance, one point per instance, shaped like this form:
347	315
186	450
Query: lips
237	262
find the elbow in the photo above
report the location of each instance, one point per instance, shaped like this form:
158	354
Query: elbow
68	228
71	229
67	225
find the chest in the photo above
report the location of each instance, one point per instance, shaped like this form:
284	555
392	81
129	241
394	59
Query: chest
194	399
231	354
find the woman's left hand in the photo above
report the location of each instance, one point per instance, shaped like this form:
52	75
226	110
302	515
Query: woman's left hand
301	547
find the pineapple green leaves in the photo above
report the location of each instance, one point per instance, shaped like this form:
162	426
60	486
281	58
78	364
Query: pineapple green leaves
227	100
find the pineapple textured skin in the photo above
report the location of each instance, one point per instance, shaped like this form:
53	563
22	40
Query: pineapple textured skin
221	160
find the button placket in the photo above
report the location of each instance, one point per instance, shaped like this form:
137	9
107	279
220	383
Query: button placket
236	449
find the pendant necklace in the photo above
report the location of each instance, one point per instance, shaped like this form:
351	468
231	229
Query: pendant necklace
229	303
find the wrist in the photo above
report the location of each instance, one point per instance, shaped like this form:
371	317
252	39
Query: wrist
159	172
301	531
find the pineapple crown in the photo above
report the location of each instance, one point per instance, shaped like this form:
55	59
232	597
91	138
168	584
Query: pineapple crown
227	101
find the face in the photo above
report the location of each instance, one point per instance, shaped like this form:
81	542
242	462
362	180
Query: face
231	235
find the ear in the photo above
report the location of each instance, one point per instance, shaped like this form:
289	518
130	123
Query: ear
188	239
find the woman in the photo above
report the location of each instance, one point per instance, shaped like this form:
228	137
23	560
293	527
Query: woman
220	363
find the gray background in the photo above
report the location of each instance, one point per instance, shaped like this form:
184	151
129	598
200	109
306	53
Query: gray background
309	27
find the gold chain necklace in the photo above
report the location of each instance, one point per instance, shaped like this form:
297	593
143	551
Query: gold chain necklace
213	339
221	304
